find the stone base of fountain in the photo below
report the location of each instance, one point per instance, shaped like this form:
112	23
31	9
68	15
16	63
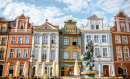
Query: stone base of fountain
89	74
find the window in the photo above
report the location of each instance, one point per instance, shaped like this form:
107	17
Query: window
53	39
21	70
26	41
74	41
1	54
52	54
18	53
45	27
37	39
126	52
96	52
11	53
92	26
123	29
74	55
97	26
51	71
19	40
96	38
44	55
45	39
36	54
3	41
25	53
117	38
13	40
65	55
21	25
104	39
119	52
45	70
11	70
70	30
65	41
2	29
124	39
88	37
104	52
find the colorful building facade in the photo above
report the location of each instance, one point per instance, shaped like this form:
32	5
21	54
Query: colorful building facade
70	48
4	29
102	40
45	48
121	44
19	45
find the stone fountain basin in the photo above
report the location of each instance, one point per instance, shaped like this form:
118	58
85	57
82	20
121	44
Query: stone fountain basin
89	72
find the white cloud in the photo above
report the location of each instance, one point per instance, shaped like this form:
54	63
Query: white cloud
75	5
11	10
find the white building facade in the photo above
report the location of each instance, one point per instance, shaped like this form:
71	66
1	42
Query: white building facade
45	47
102	40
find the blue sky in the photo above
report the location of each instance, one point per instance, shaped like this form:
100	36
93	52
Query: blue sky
58	11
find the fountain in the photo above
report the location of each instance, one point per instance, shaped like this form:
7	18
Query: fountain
88	61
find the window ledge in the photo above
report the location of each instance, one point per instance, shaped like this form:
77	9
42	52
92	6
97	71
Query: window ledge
44	43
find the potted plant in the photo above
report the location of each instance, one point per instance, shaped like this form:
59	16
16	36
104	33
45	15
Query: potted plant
10	76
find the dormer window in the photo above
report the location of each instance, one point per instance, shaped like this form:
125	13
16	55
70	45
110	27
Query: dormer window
97	26
123	29
21	25
70	30
92	26
45	27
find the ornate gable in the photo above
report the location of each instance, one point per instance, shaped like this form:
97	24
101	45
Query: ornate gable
121	14
95	17
3	19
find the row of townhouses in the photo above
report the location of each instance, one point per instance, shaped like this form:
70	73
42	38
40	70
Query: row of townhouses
23	42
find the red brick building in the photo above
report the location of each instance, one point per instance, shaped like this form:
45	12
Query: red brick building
121	44
19	44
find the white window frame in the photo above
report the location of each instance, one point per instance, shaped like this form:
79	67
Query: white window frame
126	41
126	52
70	30
11	52
104	39
37	40
96	39
124	29
3	42
26	40
17	52
45	39
65	55
20	40
92	26
25	52
74	55
53	52
21	24
45	54
88	38
36	53
2	29
96	51
66	42
106	52
13	40
2	55
53	38
117	48
117	39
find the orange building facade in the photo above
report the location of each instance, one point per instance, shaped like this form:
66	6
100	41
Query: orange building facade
121	44
19	45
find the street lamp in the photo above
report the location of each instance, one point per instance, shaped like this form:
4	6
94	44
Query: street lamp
99	64
32	57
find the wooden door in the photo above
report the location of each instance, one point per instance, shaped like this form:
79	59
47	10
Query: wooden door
106	71
62	71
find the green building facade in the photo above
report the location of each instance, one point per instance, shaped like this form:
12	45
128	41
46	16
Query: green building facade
70	48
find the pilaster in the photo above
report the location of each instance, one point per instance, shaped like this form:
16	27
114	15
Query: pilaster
16	25
48	49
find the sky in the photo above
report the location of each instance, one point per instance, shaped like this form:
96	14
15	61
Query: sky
59	11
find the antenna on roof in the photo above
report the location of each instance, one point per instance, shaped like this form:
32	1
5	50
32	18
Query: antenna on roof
23	11
46	20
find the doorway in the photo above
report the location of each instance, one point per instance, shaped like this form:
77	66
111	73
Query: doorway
62	72
105	70
33	72
1	70
121	71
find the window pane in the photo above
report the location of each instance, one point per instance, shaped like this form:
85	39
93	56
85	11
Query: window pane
1	54
65	41
74	55
26	40
37	39
88	37
44	55
65	55
52	54
36	54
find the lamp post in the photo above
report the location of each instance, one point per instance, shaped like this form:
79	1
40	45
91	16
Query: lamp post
32	57
99	64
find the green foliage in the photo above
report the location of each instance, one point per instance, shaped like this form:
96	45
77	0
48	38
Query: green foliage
10	76
45	76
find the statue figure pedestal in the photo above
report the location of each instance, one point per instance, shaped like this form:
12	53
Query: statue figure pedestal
89	74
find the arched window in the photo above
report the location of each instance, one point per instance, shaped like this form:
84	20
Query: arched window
121	70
